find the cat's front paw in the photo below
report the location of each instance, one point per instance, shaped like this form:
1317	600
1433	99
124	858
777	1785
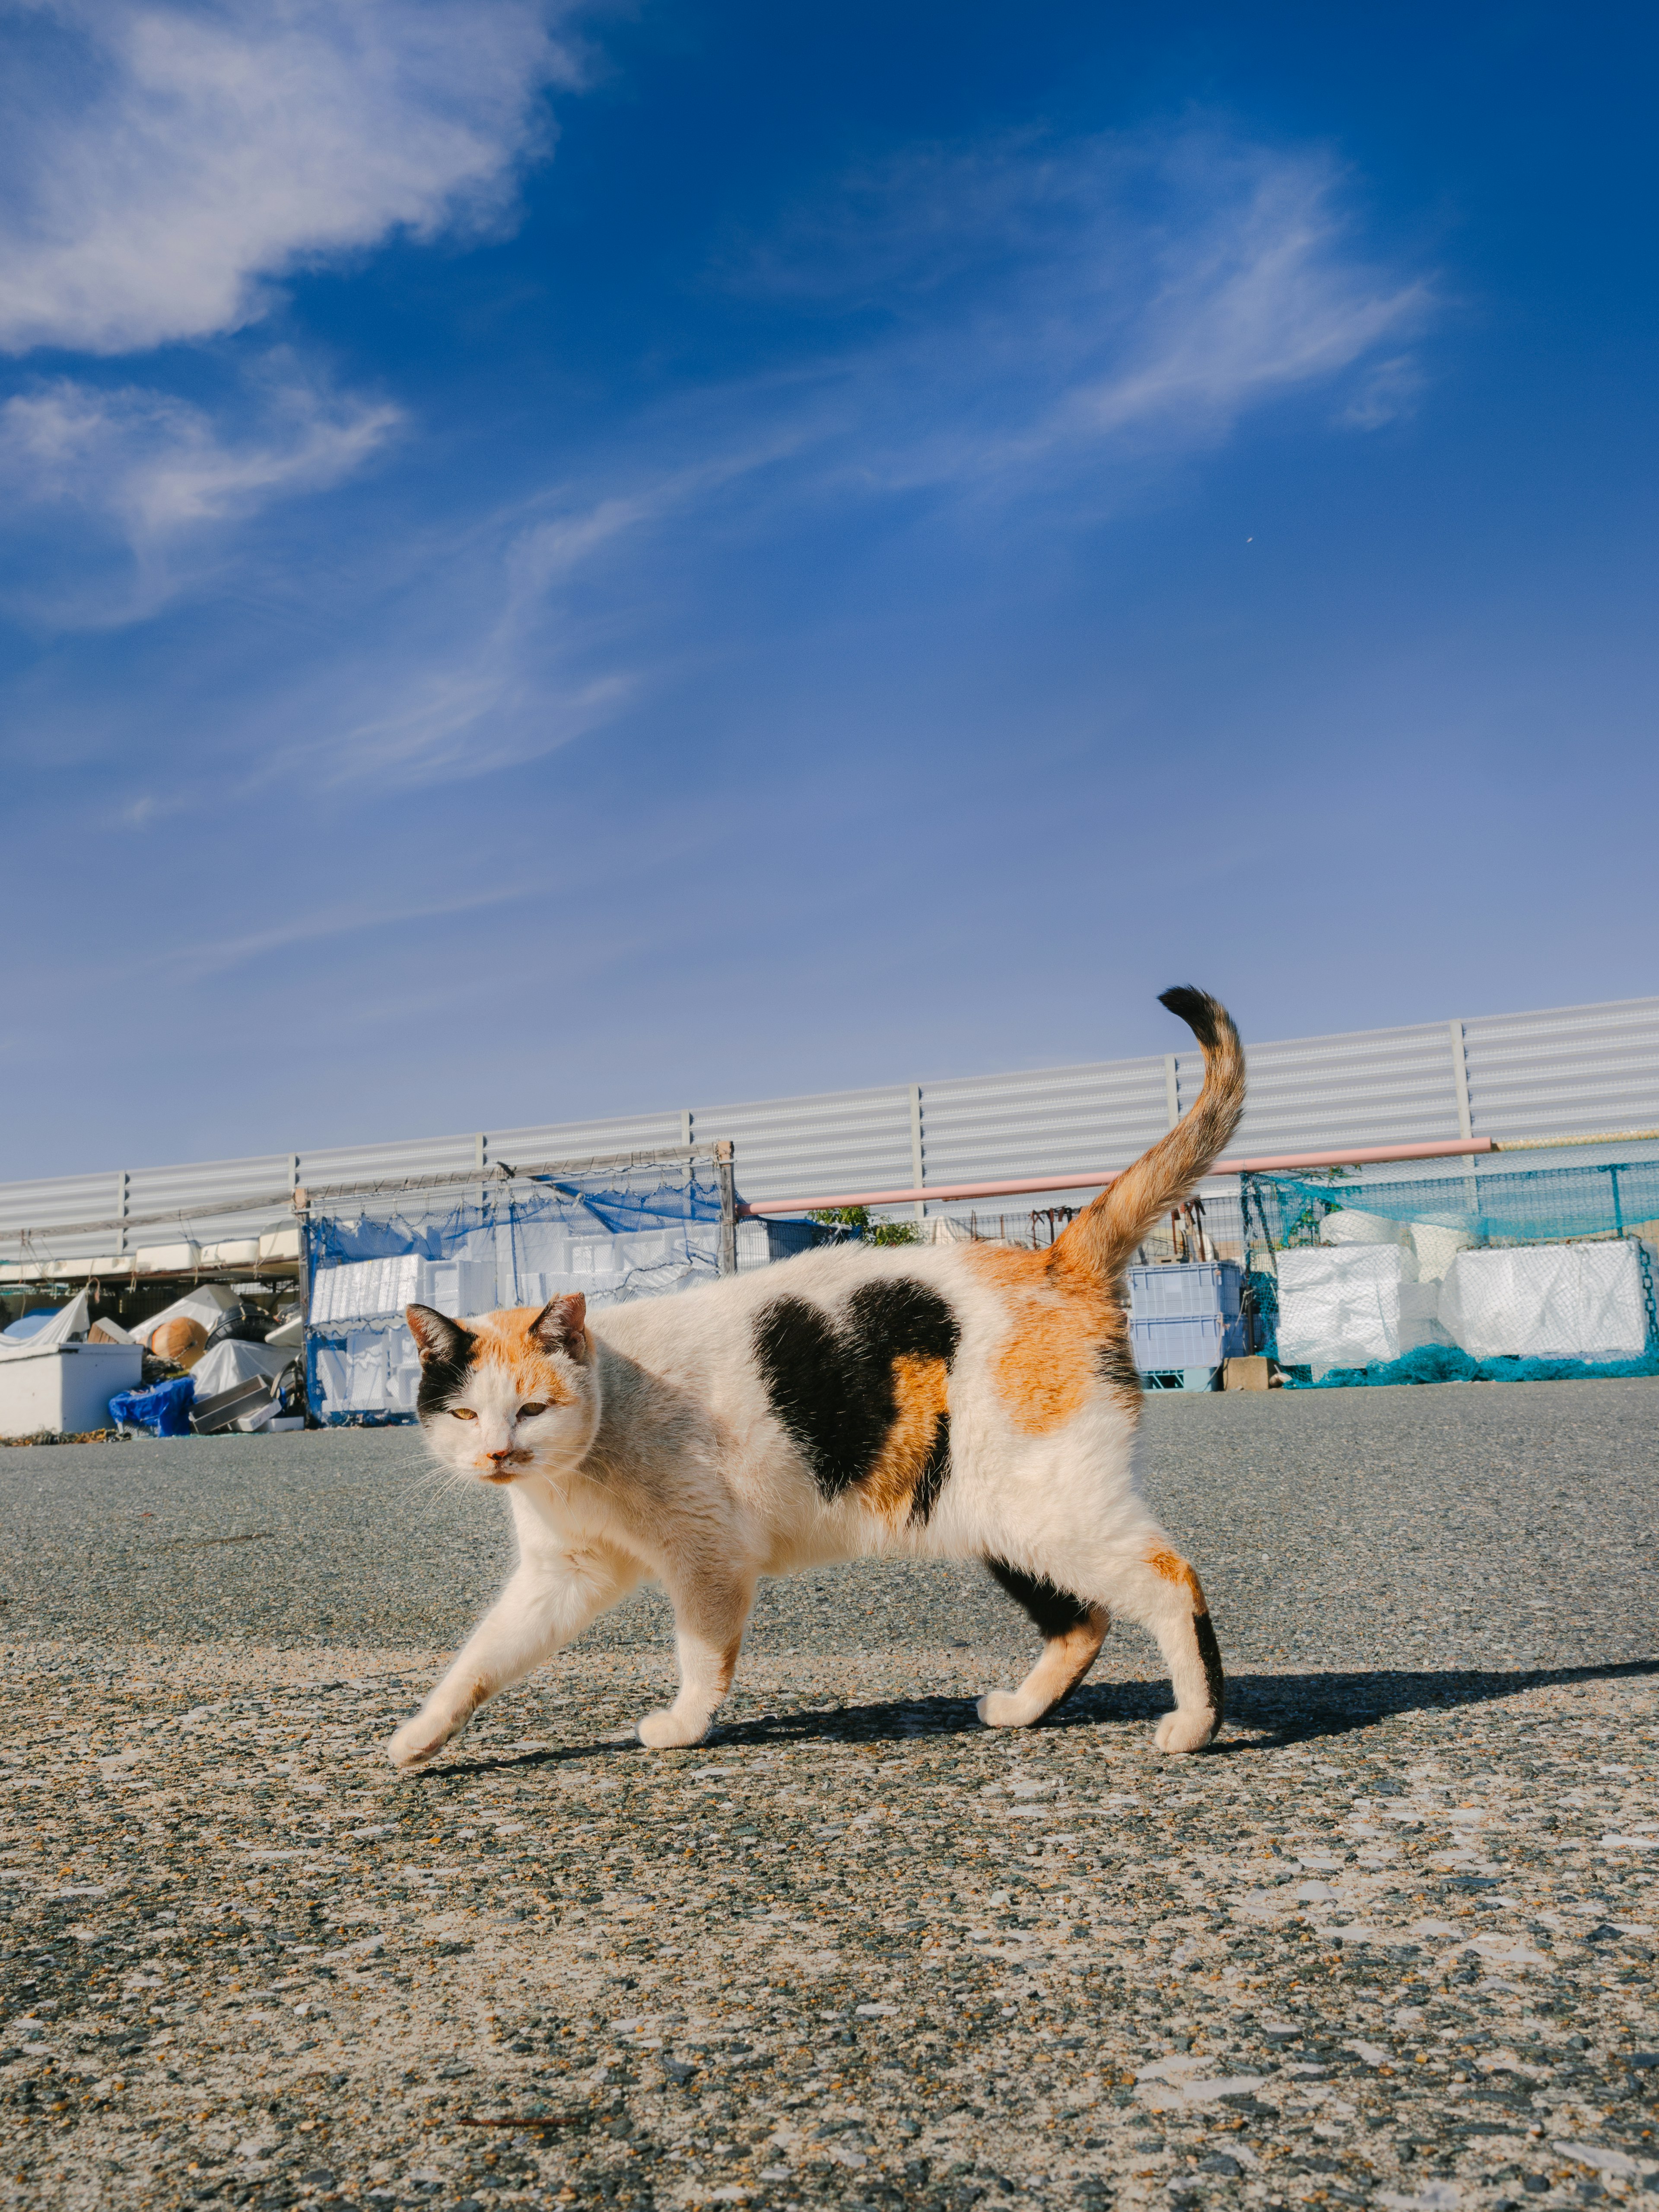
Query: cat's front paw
668	1730
1188	1731
416	1741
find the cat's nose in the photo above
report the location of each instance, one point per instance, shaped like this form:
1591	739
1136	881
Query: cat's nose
505	1452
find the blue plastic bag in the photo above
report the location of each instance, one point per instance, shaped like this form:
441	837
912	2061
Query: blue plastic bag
163	1409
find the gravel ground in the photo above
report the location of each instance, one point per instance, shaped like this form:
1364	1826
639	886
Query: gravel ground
1390	1942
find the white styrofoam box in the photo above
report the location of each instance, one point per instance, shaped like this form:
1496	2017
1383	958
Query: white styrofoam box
167	1258
376	1372
1436	1247
361	1290
1547	1302
591	1258
461	1288
1351	1305
281	1243
65	1388
1350	1225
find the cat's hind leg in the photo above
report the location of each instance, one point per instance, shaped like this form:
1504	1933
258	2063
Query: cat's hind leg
547	1602
1160	1591
710	1613
1072	1633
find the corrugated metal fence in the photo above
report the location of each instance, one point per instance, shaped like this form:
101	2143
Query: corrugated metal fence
1570	1070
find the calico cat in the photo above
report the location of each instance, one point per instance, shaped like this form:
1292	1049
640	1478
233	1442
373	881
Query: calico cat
947	1401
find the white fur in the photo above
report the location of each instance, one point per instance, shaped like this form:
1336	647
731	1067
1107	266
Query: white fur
671	1466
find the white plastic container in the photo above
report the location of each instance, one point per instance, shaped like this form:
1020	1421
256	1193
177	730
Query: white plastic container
281	1243
66	1387
240	1252
167	1258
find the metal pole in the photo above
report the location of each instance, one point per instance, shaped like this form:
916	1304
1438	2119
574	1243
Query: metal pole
302	1215
724	1171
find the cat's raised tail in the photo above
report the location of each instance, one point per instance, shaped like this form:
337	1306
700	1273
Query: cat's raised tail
1105	1235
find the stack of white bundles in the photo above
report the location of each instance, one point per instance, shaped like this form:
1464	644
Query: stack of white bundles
1355	1305
1547	1302
1436	1247
1350	1224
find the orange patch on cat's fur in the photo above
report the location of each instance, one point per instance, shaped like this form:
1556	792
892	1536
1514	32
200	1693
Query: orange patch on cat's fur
920	1390
1064	1318
1175	1569
506	1337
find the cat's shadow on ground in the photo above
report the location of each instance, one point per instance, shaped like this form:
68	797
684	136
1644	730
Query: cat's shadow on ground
1265	1712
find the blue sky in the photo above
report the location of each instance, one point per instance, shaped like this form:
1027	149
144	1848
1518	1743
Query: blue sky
560	561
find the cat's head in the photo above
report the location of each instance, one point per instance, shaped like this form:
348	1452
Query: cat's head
510	1392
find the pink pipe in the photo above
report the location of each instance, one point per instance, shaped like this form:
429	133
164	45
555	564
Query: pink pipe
1352	1158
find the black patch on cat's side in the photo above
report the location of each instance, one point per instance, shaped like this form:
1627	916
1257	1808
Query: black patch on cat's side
832	1383
443	1374
1215	1682
932	1475
1054	1611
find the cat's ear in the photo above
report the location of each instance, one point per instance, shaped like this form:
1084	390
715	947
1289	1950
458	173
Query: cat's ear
435	1337
562	1326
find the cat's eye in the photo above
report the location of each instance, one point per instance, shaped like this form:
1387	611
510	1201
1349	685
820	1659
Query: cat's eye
528	1412
464	1412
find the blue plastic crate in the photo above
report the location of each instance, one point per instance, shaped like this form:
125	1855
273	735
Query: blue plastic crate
1185	1292
1166	1341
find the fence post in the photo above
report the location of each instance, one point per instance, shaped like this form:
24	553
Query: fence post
1460	1078
917	1162
723	1170
123	1191
301	1202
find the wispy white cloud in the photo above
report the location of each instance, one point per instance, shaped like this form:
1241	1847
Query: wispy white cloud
161	164
219	955
161	476
161	466
1030	304
1028	327
558	652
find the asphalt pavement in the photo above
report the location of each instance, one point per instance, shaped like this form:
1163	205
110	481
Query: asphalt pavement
1391	1940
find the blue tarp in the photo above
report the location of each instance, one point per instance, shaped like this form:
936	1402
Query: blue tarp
163	1409
624	1232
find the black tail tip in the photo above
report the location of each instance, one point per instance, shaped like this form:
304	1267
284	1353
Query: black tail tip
1195	1007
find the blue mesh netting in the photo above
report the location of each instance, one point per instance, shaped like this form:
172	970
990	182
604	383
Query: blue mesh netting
625	1232
1483	1274
1490	1204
